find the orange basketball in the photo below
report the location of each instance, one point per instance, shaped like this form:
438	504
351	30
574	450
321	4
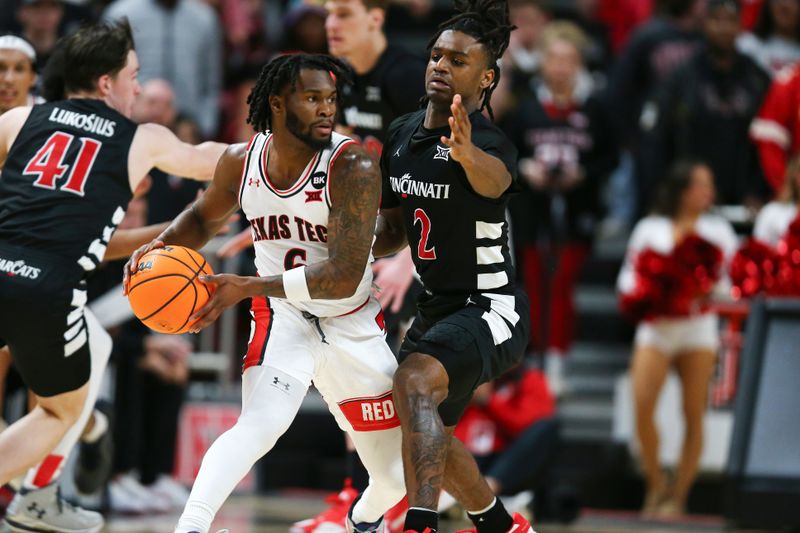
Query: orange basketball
165	290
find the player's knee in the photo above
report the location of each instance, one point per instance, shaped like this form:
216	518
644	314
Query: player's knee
265	430
66	408
417	381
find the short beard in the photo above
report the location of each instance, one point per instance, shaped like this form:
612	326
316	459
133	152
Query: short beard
294	125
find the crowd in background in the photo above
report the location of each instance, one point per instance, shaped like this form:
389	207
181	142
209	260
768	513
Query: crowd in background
599	96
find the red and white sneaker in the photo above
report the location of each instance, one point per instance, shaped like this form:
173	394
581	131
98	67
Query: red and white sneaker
519	524
395	518
332	519
7	495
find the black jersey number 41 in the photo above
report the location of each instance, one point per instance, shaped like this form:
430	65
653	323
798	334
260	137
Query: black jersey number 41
48	163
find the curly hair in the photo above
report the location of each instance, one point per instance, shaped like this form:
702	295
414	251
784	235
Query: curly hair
486	21
283	71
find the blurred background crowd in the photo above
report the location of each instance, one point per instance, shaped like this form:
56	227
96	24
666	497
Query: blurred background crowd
601	98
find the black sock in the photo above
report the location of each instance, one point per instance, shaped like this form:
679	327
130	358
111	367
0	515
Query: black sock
494	520
418	519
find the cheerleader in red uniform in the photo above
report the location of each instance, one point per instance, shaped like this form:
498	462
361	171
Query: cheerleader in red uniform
774	219
769	263
675	260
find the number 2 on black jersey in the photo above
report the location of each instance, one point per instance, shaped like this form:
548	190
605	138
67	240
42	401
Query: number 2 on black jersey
422	248
48	163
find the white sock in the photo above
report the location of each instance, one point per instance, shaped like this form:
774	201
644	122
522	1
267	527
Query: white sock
98	429
446	501
364	512
197	516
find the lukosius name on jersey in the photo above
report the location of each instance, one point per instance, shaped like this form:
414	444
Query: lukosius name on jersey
90	123
406	185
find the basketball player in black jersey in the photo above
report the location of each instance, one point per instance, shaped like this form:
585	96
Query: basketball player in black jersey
68	170
447	174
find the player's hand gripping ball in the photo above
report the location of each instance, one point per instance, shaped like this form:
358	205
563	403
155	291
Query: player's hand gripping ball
166	290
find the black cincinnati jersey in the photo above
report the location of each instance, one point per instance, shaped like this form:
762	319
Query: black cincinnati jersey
391	89
65	187
458	238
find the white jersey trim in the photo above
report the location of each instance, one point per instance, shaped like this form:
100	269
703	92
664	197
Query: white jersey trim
246	166
298	185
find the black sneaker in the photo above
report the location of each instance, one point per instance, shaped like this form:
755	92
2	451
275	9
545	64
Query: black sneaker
95	459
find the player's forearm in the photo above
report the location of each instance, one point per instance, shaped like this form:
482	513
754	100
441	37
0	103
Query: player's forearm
487	175
325	280
125	241
206	157
389	238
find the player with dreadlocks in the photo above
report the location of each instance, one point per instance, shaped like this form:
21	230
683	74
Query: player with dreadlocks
447	173
311	197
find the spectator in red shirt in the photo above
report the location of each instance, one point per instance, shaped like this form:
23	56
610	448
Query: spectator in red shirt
750	12
622	17
776	129
511	429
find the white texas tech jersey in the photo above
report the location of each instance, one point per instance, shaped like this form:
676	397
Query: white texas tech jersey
290	227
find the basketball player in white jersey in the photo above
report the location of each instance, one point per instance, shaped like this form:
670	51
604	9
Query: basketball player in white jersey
60	203
311	197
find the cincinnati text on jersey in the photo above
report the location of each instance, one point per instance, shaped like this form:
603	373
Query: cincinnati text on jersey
19	268
91	123
276	227
405	186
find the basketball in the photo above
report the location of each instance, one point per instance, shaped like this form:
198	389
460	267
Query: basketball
166	290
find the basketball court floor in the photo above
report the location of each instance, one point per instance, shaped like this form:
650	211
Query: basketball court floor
274	514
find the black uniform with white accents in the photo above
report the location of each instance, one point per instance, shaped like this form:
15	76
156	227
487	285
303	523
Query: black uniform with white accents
393	87
471	317
64	189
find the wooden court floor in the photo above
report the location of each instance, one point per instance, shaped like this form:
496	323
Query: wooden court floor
273	514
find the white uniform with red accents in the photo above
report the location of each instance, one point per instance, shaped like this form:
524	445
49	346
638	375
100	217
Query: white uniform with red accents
290	227
338	345
675	335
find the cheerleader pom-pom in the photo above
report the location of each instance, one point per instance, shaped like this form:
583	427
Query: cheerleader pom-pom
755	269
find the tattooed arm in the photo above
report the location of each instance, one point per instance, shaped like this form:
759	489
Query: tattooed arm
355	194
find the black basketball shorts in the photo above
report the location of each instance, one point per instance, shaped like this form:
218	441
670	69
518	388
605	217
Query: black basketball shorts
42	320
475	344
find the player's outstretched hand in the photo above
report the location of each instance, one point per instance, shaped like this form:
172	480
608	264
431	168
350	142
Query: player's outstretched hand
227	290
460	140
236	244
393	276
133	263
